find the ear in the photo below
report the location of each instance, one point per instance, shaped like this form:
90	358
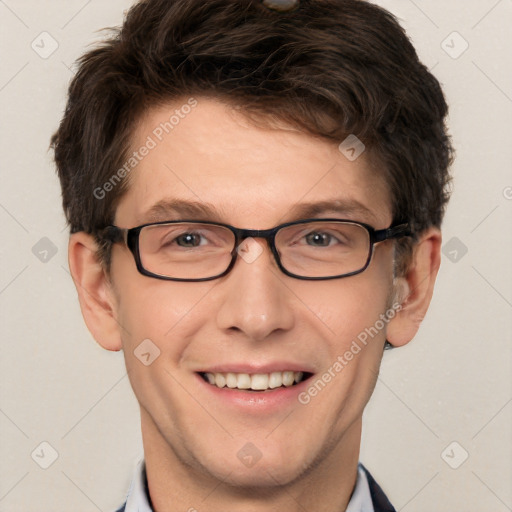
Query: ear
97	300
416	288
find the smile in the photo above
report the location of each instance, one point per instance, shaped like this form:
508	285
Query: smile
255	382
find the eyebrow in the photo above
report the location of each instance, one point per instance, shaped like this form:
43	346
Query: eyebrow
175	209
344	207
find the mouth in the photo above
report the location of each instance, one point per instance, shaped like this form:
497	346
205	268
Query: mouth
257	382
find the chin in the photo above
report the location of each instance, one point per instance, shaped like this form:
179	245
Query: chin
262	476
252	469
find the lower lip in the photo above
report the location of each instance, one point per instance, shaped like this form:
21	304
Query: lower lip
258	401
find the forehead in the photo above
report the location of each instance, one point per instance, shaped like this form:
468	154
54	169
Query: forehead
203	159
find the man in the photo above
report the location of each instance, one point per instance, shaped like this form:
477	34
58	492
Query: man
254	192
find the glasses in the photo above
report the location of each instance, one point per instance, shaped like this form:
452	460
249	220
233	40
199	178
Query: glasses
311	249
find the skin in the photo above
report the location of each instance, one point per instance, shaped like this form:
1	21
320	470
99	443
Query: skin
255	177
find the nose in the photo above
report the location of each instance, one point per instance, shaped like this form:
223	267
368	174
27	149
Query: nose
255	301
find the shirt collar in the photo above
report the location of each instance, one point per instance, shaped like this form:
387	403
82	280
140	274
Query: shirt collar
361	499
138	495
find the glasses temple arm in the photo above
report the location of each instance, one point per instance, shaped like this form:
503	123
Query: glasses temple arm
392	232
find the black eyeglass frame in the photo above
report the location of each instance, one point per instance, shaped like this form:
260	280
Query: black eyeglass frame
130	237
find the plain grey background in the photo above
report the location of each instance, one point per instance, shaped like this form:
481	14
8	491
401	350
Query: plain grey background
444	397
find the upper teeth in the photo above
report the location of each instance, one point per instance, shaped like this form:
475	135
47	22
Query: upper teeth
256	382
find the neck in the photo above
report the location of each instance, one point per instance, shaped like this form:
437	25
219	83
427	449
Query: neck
176	484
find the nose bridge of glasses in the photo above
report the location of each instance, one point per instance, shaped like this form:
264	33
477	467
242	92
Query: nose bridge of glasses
250	252
266	234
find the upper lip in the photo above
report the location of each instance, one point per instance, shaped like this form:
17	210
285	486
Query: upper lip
255	368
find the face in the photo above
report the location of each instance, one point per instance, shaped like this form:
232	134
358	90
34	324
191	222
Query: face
255	320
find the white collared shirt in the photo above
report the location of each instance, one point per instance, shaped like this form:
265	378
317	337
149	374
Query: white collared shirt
138	498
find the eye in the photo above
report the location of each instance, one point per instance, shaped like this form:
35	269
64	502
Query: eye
195	238
188	240
325	238
322	235
319	239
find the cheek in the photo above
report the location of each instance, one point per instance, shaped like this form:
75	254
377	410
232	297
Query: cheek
344	308
166	312
159	318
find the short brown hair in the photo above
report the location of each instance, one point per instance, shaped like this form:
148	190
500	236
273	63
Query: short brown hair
329	67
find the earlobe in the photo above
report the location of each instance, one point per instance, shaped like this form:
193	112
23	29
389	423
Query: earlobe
415	289
97	301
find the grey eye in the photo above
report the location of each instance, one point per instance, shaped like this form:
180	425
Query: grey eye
189	240
318	239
